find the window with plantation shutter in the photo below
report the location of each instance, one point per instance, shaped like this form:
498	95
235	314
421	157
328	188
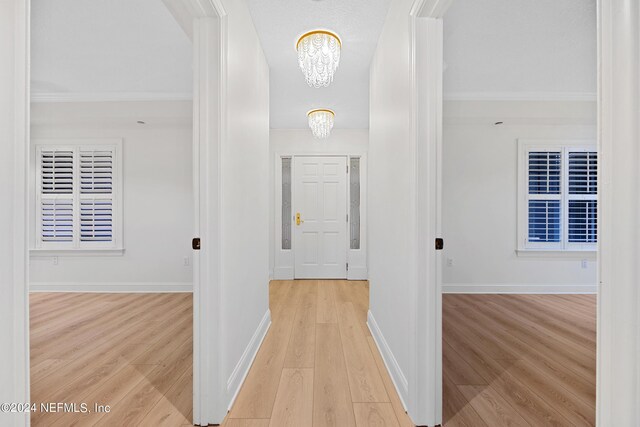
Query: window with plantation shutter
79	197
557	204
582	197
96	195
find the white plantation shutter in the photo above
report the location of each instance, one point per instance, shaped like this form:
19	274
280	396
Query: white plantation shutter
79	196
544	198
57	171
96	195
57	220
558	209
582	197
96	220
96	171
56	202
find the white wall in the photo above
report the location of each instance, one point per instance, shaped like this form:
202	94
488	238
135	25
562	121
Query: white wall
392	192
244	203
157	196
301	142
13	339
480	201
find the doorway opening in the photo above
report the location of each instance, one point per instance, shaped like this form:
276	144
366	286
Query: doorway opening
519	215
112	206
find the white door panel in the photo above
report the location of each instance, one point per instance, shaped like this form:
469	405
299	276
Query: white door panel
320	197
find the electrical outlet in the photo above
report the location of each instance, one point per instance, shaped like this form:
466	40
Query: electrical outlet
187	261
55	260
584	263
449	262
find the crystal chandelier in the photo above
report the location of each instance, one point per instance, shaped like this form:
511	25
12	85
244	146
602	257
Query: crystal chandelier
319	56
321	122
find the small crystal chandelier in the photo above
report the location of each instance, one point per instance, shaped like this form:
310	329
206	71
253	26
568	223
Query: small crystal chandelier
319	56
321	122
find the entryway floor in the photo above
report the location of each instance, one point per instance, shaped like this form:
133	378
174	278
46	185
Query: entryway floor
133	352
525	360
508	360
318	365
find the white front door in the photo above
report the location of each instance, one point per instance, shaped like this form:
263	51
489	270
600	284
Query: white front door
320	222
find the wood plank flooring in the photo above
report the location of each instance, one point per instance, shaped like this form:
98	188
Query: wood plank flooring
318	365
508	360
132	352
521	360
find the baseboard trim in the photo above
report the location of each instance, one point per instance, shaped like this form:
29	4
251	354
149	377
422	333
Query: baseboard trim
397	376
241	370
357	273
518	288
283	273
111	287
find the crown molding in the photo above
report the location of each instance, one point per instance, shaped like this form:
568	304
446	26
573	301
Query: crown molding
521	96
109	96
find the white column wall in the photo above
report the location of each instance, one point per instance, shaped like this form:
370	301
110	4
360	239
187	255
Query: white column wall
14	356
619	221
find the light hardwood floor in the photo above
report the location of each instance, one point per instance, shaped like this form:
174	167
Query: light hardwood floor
524	360
130	351
318	365
508	360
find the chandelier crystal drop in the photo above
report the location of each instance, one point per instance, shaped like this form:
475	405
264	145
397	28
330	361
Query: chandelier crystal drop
321	122
319	56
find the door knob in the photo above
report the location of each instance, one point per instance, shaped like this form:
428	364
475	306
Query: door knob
298	220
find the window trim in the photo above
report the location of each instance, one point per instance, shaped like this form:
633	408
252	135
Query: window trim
525	248
116	247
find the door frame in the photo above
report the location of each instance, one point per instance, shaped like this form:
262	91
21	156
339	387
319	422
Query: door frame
284	259
618	330
427	61
205	23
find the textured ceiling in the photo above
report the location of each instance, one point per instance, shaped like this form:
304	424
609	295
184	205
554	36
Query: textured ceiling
106	47
357	22
520	48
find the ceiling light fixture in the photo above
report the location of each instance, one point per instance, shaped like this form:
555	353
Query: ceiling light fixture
321	122
319	56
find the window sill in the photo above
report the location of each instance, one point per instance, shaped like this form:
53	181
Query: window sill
541	253
75	252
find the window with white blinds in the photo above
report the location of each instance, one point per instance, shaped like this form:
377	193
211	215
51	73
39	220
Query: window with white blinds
78	196
558	204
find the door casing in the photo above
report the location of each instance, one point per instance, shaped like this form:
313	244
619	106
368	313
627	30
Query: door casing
284	262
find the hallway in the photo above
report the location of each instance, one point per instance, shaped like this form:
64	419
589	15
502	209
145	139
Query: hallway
318	364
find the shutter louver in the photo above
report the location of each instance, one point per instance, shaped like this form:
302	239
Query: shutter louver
96	172
583	189
544	184
544	172
56	168
57	220
544	220
96	220
583	221
583	172
96	195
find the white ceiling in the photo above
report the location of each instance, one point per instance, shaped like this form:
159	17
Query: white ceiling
280	23
520	49
130	49
111	48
